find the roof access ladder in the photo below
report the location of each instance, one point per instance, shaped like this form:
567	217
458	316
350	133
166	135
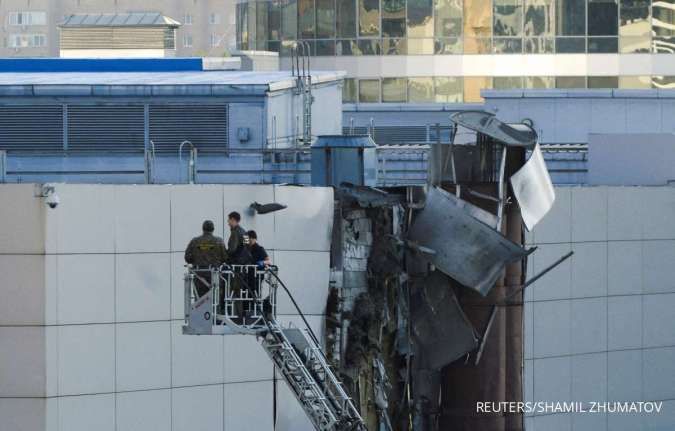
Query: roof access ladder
241	299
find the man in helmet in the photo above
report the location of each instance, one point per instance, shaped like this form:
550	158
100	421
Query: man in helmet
204	252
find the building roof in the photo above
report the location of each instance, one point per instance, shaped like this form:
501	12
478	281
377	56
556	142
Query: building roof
138	19
185	83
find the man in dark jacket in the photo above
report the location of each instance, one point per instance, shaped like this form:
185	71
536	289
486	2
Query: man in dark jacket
236	245
258	253
203	252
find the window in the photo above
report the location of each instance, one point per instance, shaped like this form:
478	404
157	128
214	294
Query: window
570	82
420	90
394	90
325	19
393	18
289	20
538	82
274	20
369	90
603	18
539	18
215	40
570	18
420	18
187	19
473	86
477	26
634	26
448	89
214	19
345	18
36	40
507	82
508	18
603	82
187	40
369	18
349	91
448	16
634	82
306	19
28	18
663	27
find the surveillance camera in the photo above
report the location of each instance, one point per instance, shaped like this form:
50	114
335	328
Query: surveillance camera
52	200
48	192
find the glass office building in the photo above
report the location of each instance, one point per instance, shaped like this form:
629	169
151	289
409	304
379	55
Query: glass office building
446	51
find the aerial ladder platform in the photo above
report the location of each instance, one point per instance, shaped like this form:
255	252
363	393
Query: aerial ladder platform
242	299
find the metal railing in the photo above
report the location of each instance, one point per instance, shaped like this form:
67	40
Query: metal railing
239	297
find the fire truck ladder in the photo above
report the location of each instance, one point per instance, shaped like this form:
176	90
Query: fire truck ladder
295	352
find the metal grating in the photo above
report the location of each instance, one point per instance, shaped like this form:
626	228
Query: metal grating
206	126
388	135
31	128
109	128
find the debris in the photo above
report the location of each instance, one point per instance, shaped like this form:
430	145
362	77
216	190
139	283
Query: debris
442	332
368	197
266	208
477	253
533	189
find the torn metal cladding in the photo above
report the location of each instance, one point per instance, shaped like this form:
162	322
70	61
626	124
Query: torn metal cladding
519	135
467	248
440	328
533	189
367	197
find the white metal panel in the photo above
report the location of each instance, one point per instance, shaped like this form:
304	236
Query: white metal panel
143	356
307	223
85	288
589	377
589	270
306	274
86	359
624	213
624	267
658	270
22	229
198	408
533	189
84	221
23	289
589	325
658	320
249	403
190	206
245	360
552	332
624	322
624	375
556	226
21	414
658	379
143	410
195	360
143	287
142	219
22	355
86	413
552	379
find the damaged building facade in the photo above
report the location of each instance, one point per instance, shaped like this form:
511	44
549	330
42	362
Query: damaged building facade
424	316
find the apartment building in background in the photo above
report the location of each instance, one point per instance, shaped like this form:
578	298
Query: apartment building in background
30	28
447	51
